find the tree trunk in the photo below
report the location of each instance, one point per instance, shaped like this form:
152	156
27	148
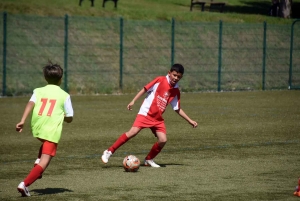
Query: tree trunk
285	8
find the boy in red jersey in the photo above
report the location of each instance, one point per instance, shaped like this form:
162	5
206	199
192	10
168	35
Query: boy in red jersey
160	92
50	106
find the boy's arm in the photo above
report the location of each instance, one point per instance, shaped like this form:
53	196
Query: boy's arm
69	112
138	95
186	117
28	109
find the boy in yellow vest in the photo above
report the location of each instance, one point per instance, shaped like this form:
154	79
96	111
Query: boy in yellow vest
50	107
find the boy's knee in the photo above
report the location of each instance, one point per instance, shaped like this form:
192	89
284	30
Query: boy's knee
131	134
162	143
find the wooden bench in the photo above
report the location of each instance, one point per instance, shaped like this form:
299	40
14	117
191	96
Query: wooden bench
92	2
195	2
104	1
219	5
103	4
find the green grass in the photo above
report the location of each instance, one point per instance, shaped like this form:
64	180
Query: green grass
249	11
245	148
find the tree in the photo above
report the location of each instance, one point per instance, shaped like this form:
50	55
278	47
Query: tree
285	8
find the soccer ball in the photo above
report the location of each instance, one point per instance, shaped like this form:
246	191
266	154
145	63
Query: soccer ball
131	163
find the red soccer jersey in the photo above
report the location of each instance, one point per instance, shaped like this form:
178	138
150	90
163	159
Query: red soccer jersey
160	94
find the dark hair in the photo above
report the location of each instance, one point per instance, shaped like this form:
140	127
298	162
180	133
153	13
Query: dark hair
178	68
53	73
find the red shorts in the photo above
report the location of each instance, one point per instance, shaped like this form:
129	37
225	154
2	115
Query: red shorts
49	148
156	126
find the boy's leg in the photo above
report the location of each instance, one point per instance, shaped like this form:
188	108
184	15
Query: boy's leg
40	151
119	142
45	160
48	151
39	155
156	149
34	174
124	138
37	170
37	161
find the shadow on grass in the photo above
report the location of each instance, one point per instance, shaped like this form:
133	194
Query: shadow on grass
144	166
164	165
48	191
112	166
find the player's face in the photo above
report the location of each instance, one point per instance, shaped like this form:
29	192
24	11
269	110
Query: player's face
174	77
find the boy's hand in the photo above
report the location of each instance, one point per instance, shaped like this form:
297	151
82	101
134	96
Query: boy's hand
129	106
19	126
193	123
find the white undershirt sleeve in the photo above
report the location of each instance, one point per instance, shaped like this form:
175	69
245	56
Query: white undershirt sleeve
175	103
33	98
68	107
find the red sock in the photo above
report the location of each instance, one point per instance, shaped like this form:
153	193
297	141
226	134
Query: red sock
34	174
119	142
154	151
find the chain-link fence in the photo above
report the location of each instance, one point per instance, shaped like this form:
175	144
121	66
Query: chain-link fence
112	55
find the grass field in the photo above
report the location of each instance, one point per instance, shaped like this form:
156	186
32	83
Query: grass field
245	148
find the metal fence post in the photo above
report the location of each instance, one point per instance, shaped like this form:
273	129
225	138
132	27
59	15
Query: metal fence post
121	54
264	56
172	41
220	55
4	54
66	55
